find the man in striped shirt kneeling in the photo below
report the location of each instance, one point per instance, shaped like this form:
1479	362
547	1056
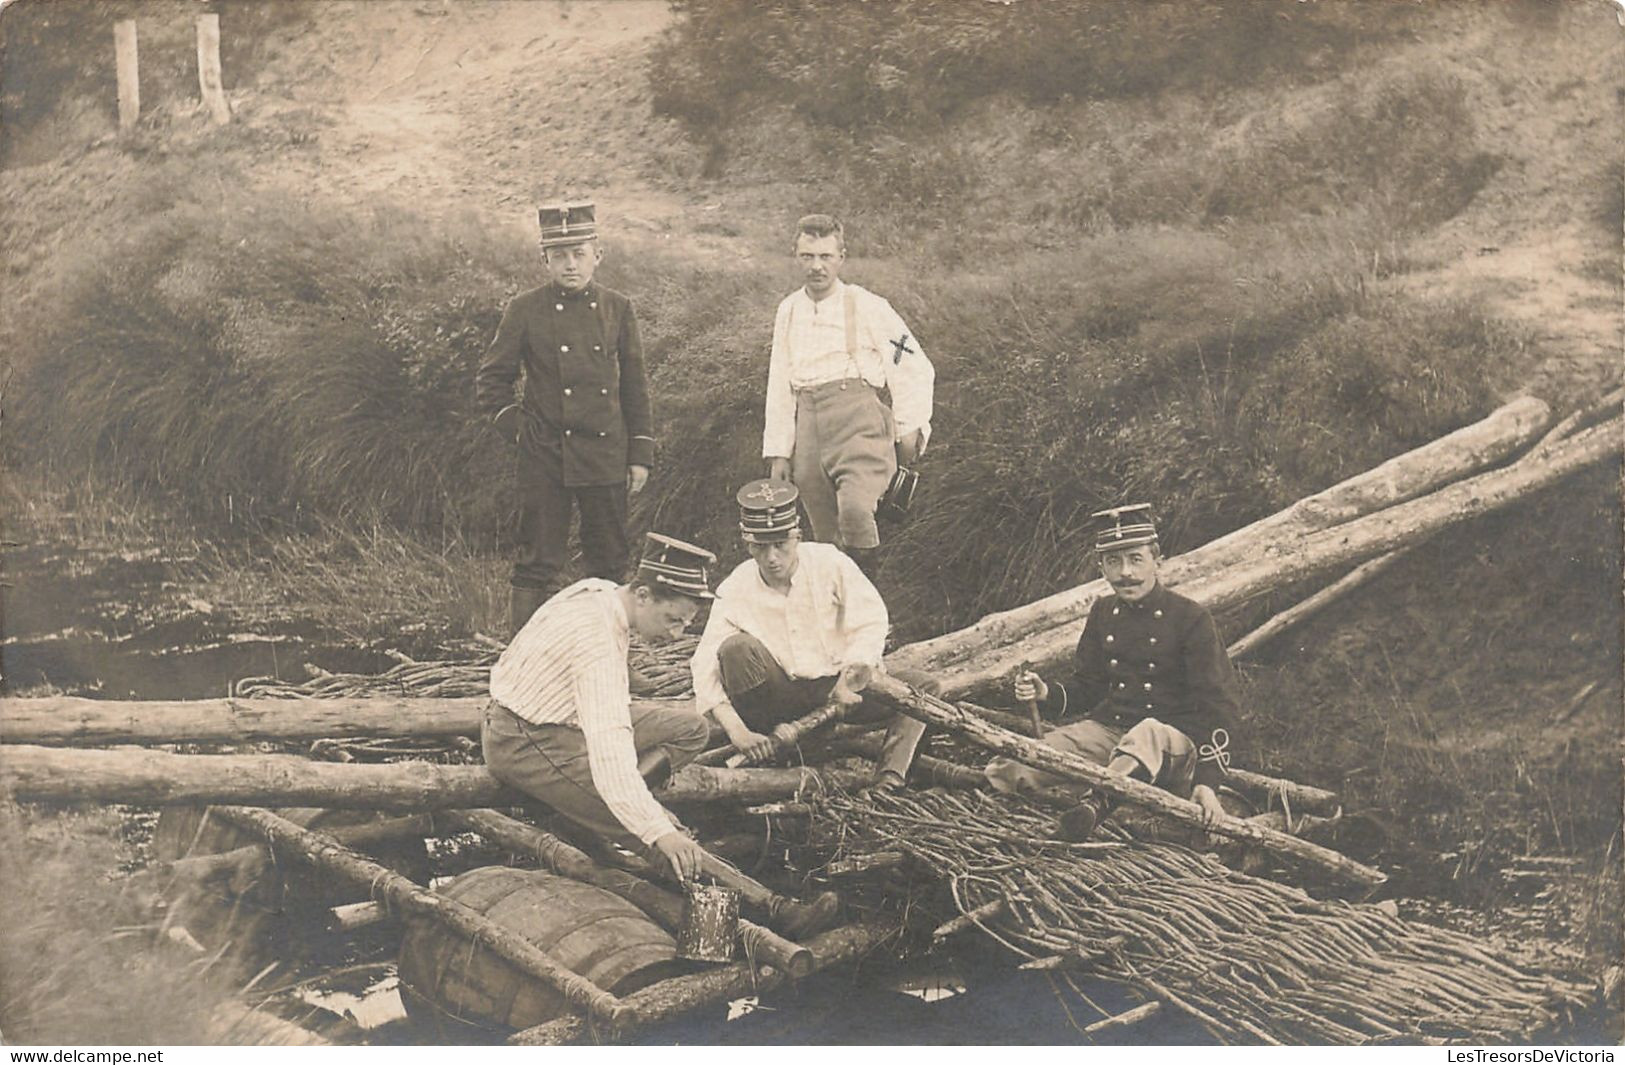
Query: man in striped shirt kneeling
561	726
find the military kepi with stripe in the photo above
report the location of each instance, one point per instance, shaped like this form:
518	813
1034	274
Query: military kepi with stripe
574	222
677	565
1128	526
767	511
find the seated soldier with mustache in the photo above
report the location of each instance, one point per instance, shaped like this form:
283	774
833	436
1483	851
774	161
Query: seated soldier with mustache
1153	681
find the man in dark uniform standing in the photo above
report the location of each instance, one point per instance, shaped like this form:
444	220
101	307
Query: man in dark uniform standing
583	430
1152	681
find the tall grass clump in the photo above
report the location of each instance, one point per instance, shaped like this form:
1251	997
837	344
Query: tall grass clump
80	964
273	358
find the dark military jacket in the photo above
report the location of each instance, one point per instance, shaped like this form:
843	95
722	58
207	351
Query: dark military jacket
1161	658
586	395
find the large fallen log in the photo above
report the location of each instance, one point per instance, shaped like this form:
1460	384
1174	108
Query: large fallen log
934	711
666	907
1275	564
157	778
301	845
1415	473
669	999
64	720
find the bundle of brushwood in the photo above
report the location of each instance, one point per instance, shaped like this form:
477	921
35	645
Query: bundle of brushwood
664	670
1252	960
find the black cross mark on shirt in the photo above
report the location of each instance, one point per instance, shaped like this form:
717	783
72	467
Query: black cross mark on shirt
902	349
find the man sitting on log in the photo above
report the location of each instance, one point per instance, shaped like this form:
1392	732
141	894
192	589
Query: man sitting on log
1152	679
560	725
793	627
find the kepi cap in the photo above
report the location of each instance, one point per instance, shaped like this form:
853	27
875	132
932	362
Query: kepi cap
573	222
1128	526
677	565
767	511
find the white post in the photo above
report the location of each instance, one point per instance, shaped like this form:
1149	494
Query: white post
208	68
129	80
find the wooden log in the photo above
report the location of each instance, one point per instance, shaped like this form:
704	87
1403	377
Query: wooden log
1276	564
786	736
969	919
695	783
934	711
1300	796
1125	1019
60	721
209	81
672	998
1410	475
298	844
129	74
930	770
354	916
157	778
664	906
1307	608
250	857
70	721
865	863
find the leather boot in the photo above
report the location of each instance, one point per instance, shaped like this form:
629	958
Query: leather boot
1079	823
522	603
797	920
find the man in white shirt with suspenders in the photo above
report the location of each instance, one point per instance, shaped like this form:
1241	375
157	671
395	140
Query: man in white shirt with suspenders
835	346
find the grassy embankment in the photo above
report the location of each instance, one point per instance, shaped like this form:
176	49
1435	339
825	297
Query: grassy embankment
1138	281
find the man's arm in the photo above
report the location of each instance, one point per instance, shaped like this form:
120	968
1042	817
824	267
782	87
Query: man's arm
636	410
1090	679
603	710
1211	682
909	373
494	381
779	422
709	696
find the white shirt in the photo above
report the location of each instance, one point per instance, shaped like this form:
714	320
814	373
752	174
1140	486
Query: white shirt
831	617
567	666
809	348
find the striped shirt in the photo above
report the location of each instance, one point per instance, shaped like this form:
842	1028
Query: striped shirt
567	666
831	617
809	348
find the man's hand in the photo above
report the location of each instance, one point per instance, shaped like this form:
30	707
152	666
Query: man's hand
507	422
909	448
1212	810
1030	686
683	855
778	469
850	684
753	745
636	478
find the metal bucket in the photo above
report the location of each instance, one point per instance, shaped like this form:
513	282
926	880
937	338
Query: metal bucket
710	923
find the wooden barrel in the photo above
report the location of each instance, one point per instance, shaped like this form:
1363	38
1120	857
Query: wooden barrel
281	907
459	990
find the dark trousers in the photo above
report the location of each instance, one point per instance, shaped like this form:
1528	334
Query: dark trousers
544	526
764	695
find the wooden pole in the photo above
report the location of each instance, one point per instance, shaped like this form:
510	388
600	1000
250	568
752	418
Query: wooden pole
934	711
672	998
1301	796
208	68
1277	563
129	75
1125	1019
70	721
309	848
157	778
785	737
1314	604
250	857
666	907
1415	473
